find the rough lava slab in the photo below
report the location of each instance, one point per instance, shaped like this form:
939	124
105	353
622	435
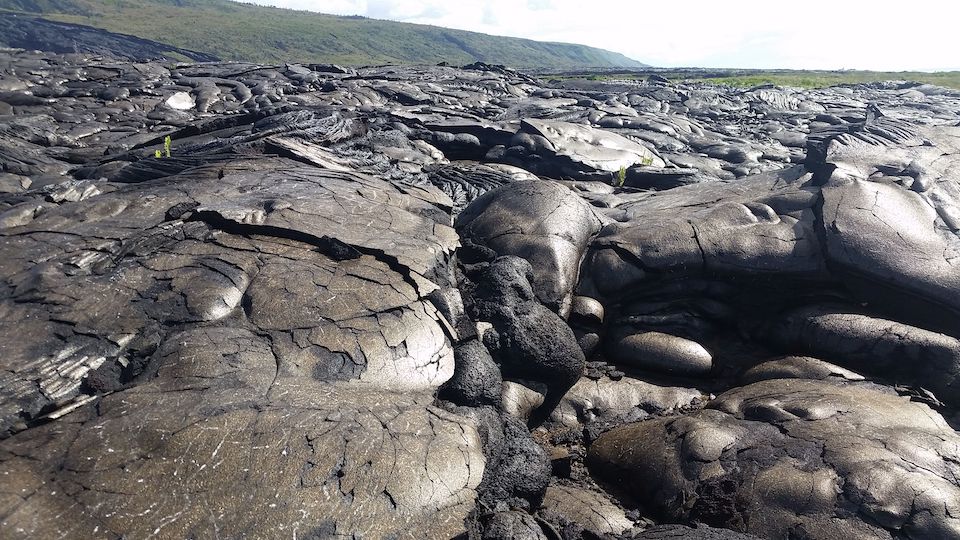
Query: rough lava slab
271	314
784	457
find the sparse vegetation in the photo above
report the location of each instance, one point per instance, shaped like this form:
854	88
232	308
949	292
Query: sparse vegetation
745	78
167	144
621	176
823	79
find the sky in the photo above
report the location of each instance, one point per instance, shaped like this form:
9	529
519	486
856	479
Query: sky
809	34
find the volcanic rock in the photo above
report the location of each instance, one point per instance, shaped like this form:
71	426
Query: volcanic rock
772	459
542	222
592	510
342	301
562	149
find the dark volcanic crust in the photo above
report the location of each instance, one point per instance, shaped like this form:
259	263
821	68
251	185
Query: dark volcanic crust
35	33
431	302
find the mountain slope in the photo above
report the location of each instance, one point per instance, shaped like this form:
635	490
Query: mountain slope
235	31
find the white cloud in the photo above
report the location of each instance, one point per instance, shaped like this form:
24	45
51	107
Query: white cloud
827	34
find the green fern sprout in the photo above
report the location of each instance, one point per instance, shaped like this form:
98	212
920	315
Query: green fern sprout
157	154
167	141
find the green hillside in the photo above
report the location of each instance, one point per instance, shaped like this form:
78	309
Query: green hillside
235	31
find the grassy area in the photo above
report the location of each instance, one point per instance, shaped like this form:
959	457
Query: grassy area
235	31
748	78
822	79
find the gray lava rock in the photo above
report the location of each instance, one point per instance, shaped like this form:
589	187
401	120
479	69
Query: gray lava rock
798	367
656	351
878	347
253	325
476	378
528	340
513	526
464	184
596	513
518	469
682	532
887	172
774	459
609	400
571	150
543	222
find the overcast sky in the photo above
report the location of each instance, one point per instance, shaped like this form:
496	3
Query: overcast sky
806	34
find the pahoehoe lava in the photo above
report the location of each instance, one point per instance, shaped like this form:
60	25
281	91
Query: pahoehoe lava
425	302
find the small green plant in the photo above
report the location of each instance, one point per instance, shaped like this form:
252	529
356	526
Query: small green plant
621	176
648	160
167	143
